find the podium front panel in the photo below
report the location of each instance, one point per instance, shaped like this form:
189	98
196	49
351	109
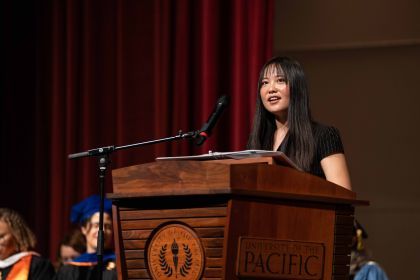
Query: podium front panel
138	221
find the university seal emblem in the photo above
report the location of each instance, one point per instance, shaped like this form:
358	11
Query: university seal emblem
175	252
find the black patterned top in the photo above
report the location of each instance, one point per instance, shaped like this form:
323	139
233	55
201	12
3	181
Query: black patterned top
327	142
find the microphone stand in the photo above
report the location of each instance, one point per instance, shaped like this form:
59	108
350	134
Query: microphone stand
103	154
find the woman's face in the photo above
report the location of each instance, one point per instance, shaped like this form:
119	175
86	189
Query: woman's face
275	92
90	231
8	244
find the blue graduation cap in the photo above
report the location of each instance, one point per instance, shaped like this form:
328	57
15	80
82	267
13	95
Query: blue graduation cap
87	207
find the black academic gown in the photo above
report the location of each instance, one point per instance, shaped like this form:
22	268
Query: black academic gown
85	268
72	272
40	269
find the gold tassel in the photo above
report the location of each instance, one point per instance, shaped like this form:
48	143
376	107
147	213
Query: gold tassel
359	233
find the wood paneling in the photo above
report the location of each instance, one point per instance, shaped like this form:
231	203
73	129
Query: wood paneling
137	226
343	234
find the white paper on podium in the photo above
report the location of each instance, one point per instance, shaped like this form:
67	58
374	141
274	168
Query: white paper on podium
235	155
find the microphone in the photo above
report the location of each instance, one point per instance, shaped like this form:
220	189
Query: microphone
207	127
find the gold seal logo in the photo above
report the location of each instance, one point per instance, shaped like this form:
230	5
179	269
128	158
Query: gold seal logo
175	252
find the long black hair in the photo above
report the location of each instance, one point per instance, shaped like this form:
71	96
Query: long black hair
300	139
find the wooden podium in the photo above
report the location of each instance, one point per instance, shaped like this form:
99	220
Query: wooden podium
229	219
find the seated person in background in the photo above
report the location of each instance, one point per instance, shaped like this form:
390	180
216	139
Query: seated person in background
72	246
86	215
361	265
16	241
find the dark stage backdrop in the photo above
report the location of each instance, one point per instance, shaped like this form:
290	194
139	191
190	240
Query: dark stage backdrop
84	74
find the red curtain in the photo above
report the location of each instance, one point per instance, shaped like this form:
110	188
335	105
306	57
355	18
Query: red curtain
121	72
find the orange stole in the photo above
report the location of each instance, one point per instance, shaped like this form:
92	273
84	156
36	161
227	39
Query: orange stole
20	270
